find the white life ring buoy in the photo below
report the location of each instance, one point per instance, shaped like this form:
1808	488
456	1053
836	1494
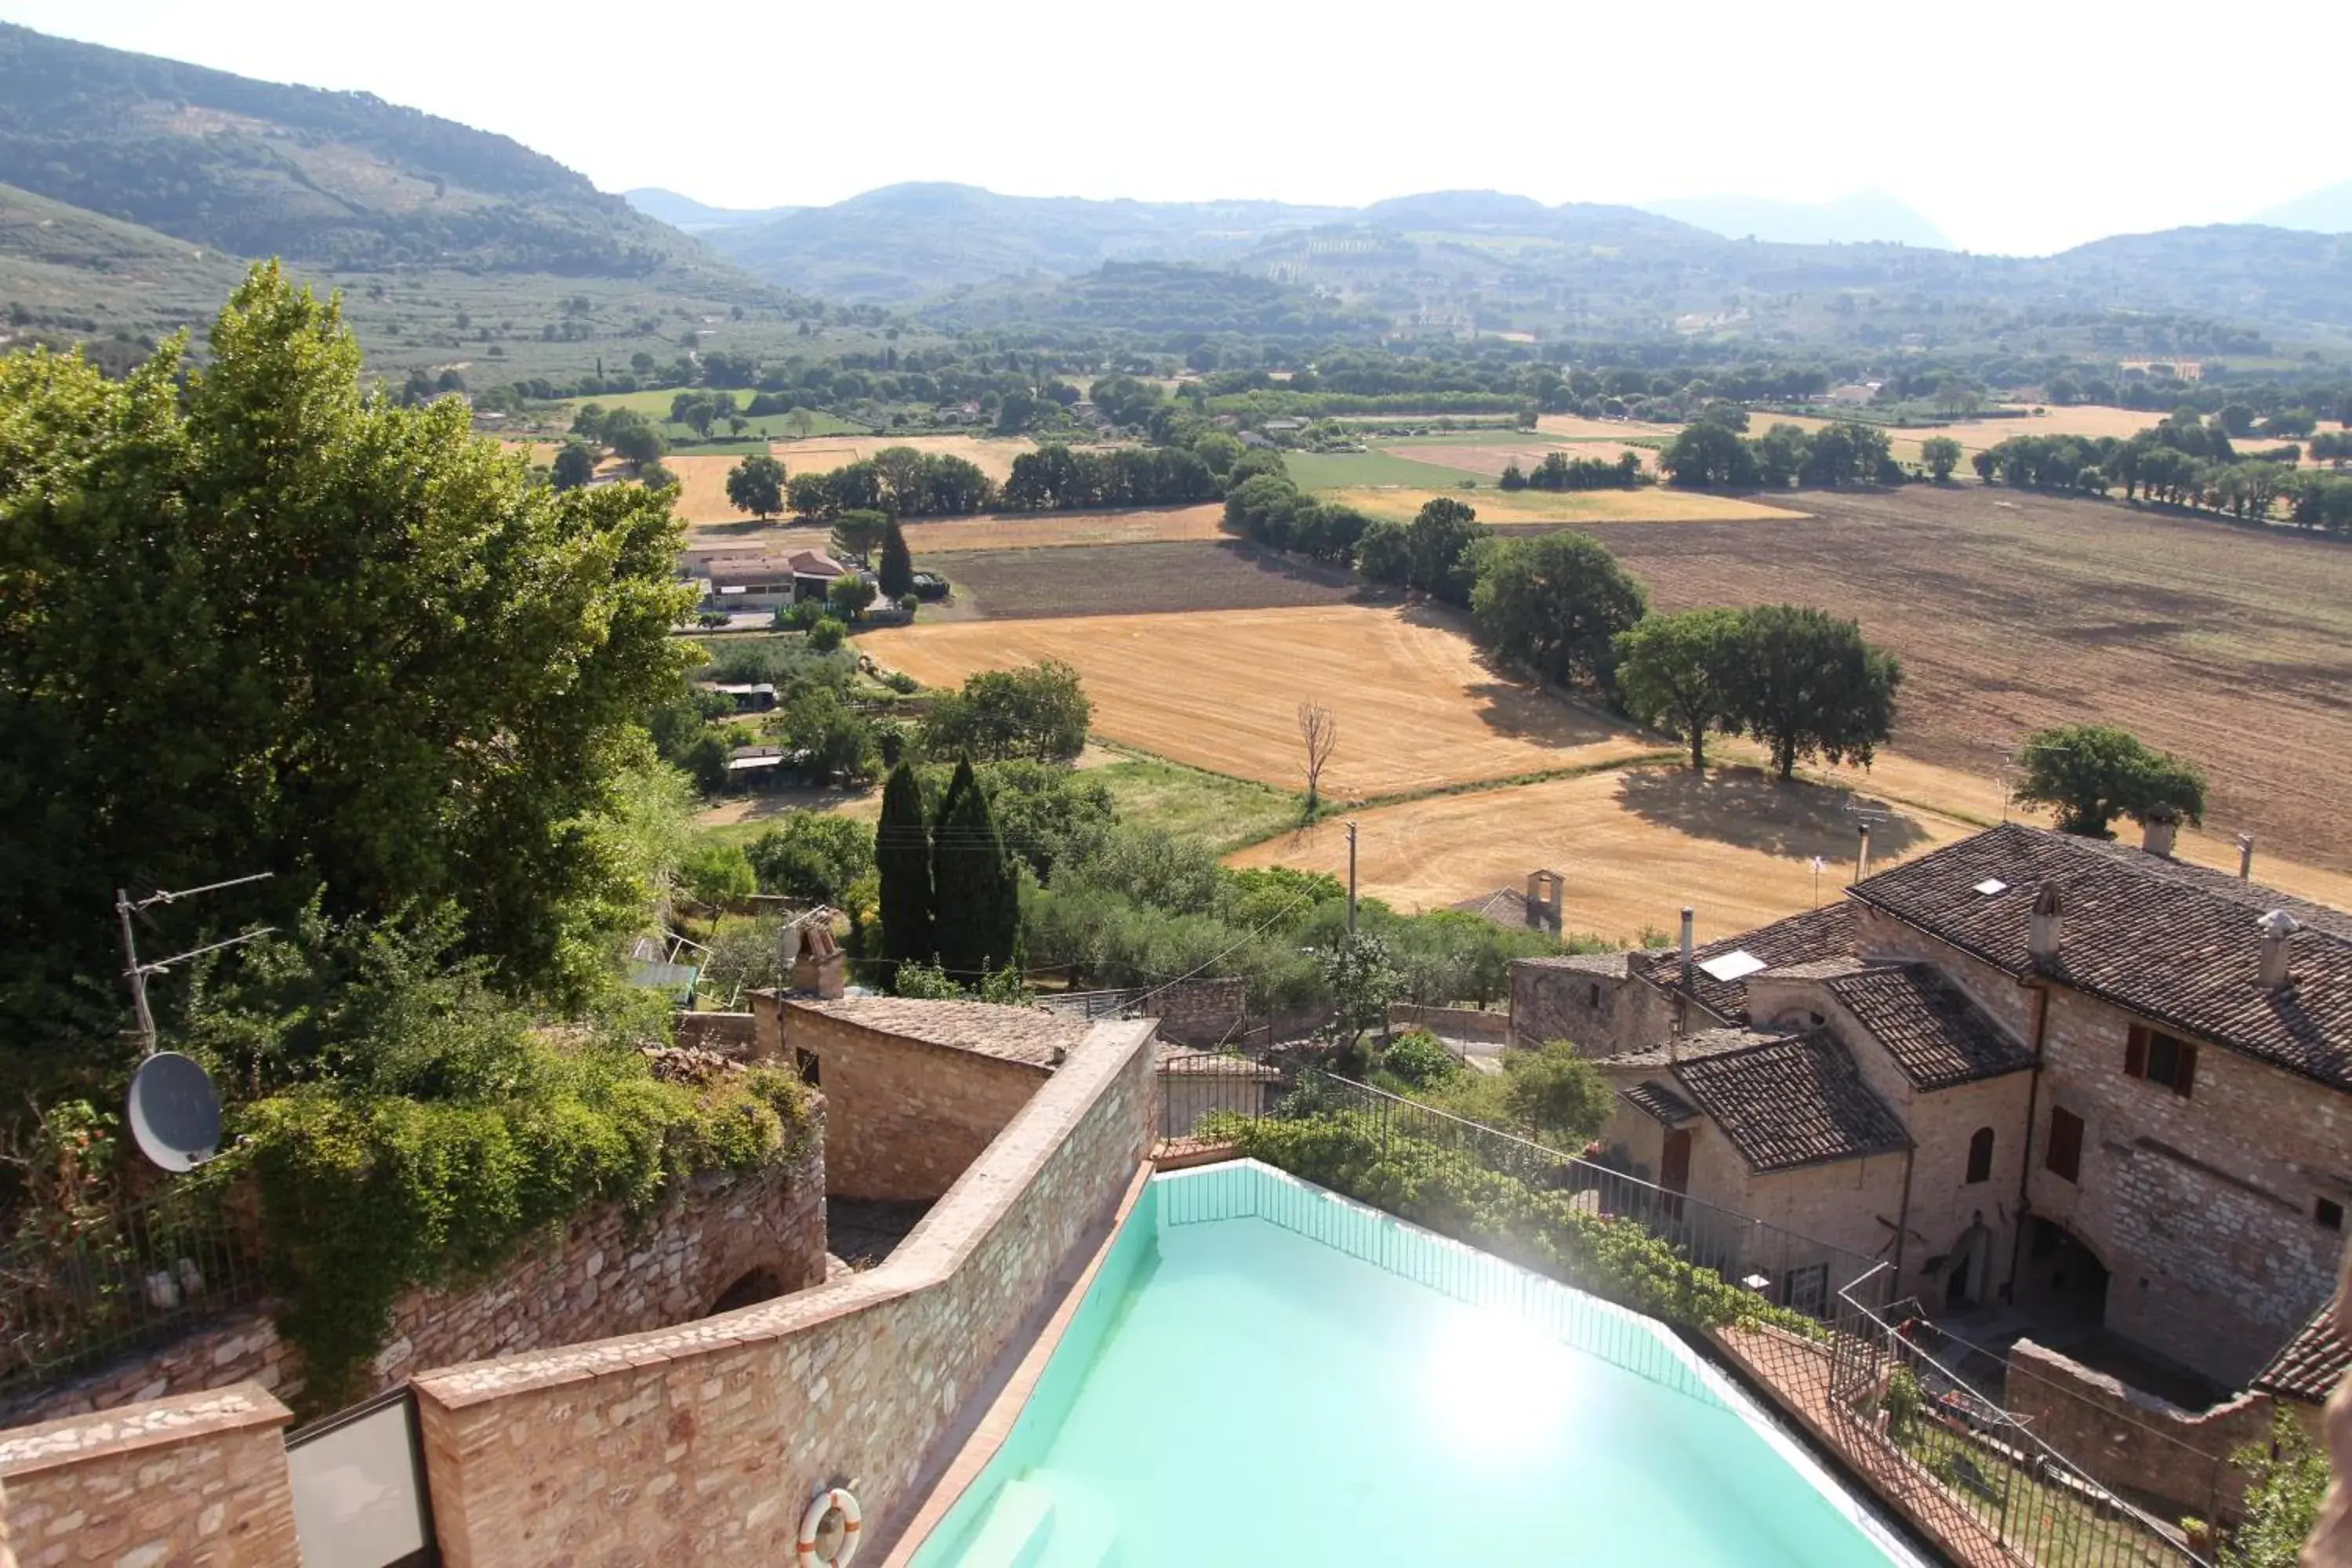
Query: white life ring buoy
812	1521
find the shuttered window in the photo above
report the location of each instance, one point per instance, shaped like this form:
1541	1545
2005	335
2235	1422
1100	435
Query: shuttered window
2159	1057
2063	1157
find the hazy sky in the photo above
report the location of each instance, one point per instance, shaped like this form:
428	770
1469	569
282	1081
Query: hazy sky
2015	127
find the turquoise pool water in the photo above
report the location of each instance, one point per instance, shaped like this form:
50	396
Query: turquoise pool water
1265	1373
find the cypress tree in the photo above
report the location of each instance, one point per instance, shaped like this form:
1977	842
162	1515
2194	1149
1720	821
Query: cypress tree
976	896
896	571
902	860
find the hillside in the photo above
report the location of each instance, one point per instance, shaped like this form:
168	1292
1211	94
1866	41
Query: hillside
259	169
1865	217
690	216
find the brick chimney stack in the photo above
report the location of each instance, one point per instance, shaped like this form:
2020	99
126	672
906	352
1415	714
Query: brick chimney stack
2157	830
2278	928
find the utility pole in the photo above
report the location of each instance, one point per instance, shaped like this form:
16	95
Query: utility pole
1351	876
125	906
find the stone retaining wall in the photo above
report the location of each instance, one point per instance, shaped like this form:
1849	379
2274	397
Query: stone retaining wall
2131	1441
1455	1023
199	1480
729	1034
1200	1011
607	1273
702	1444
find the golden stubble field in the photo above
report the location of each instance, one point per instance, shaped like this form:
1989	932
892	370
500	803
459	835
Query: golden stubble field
1511	508
1221	689
2088	419
1634	845
1006	531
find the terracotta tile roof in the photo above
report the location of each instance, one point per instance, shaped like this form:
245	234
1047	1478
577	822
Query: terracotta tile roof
1697	1043
1507	908
2175	944
1935	1035
2309	1365
1031	1036
1796	1100
1658	1103
1826	933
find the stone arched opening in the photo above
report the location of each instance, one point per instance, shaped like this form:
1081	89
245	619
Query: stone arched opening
2060	1278
749	1290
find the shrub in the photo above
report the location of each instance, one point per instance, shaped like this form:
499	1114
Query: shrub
1420	1060
826	634
1545	1231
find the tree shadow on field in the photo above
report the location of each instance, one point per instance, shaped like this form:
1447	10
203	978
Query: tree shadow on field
1511	704
1752	809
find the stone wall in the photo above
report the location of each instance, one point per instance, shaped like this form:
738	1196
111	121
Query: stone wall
1593	1002
1455	1023
904	1117
1200	1011
729	1034
198	1481
607	1273
2133	1442
702	1445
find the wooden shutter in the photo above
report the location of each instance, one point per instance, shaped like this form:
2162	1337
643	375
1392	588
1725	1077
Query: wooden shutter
2185	1073
2065	1157
2136	1052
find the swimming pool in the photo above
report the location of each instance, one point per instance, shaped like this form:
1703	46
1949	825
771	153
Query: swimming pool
1264	1373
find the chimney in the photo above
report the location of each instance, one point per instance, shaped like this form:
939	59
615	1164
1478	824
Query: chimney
2245	857
2278	928
2158	829
1557	917
1689	964
1861	852
2049	914
1535	898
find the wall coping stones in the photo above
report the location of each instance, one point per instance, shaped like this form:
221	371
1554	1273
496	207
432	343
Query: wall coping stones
76	1439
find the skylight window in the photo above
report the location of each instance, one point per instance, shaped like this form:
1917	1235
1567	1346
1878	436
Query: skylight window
1990	886
1734	965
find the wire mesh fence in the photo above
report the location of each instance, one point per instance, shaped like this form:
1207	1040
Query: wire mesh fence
72	1297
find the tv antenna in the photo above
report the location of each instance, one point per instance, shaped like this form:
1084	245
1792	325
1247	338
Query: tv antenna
173	1112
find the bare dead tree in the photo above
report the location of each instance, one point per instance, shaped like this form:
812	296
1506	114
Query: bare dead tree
1319	727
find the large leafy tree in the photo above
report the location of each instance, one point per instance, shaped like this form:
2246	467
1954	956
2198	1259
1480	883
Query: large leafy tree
1556	602
1040	713
1806	684
975	889
2092	773
1674	673
1441	549
253	618
756	485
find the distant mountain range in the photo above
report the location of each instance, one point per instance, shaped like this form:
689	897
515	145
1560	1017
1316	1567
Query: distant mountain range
685	213
1865	217
2327	211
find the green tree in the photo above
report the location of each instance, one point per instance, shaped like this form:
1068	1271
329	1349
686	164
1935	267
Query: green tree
715	874
1440	543
902	857
1675	673
1706	456
835	738
2092	773
1556	602
975	891
897	574
2286	1481
1382	554
858	530
256	620
1557	1093
849	596
1942	455
756	485
811	855
1364	979
1806	684
1041	713
633	438
575	464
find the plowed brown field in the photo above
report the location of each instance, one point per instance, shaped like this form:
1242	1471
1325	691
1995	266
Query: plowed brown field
1221	690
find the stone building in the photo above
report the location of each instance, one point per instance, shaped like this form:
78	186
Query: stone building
2122	1081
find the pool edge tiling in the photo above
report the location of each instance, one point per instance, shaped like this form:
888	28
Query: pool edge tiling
1173	1265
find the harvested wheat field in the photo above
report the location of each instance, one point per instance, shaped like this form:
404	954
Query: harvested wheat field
1975	434
702	488
992	455
1634	846
1221	690
1002	530
1577	427
1488	460
1506	509
2231	646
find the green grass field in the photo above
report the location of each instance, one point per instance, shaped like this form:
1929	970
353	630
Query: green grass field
1356	470
1224	812
654	406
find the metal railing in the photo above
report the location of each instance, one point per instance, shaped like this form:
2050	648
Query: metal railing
1788	1269
71	1299
2040	1507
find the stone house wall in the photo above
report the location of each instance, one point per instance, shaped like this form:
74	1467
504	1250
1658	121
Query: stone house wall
1850	1205
904	1117
607	1273
2200	1208
1945	1205
1202	1012
197	1480
1604	1014
702	1445
2137	1443
1455	1023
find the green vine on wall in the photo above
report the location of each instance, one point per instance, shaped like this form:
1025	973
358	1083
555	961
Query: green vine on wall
362	1198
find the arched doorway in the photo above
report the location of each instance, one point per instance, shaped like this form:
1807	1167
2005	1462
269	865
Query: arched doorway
1970	1266
749	1289
2060	1278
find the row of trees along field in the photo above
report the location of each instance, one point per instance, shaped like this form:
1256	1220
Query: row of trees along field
2185	460
1803	682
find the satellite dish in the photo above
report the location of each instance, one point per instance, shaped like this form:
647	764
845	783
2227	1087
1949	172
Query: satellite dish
175	1114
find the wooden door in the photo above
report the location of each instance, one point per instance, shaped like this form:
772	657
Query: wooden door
1674	1168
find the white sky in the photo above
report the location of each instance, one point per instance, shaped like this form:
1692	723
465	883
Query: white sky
2021	128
